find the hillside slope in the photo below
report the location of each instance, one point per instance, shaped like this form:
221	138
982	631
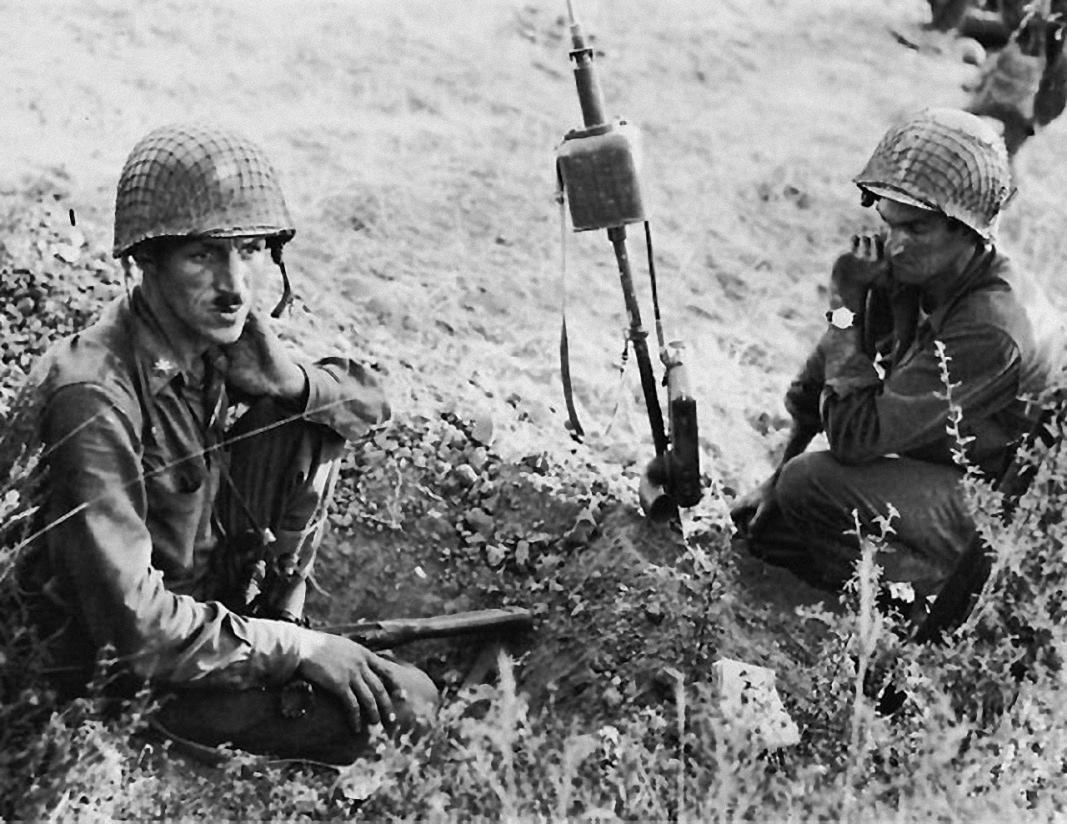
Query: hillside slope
415	140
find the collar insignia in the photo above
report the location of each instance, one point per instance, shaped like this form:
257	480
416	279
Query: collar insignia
163	366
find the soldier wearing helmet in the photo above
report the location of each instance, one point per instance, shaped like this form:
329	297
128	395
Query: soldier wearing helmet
931	288
180	542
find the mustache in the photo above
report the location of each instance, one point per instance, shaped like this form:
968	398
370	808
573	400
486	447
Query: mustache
227	303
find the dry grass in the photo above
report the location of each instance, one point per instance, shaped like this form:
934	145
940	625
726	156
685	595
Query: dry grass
415	140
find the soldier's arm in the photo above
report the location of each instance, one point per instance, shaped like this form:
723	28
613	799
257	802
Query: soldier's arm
752	510
866	419
336	392
101	552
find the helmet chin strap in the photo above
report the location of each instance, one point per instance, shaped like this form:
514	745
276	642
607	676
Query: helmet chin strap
275	246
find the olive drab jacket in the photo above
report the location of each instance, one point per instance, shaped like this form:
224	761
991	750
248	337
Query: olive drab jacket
131	446
1004	346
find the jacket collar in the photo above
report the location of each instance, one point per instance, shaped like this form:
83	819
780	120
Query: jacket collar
986	267
153	354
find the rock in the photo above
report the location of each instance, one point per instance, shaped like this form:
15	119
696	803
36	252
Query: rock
970	51
482	428
751	705
611	697
481	522
522	552
466	474
582	532
478	458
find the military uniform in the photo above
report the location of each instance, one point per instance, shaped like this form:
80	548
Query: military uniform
1024	84
880	396
886	428
175	499
151	539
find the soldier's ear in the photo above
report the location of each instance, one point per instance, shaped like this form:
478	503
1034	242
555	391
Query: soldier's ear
147	256
146	263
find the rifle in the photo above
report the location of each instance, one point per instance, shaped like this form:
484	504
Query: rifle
262	720
597	169
297	697
279	592
506	622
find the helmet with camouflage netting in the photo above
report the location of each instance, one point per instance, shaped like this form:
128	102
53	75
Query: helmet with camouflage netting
947	160
187	179
191	180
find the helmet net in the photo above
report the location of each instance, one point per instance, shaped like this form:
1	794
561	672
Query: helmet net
943	159
188	179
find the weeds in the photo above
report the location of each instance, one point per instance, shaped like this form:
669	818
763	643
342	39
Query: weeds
639	733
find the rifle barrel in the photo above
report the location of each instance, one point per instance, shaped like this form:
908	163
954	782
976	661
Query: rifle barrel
397	631
639	338
590	97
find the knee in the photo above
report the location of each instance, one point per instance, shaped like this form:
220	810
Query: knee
415	693
804	479
267	427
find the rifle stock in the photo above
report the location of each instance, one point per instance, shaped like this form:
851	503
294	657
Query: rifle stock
394	632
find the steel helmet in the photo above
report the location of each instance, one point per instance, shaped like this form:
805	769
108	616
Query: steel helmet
943	159
190	179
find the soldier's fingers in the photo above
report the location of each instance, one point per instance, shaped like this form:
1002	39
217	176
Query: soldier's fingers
761	517
365	696
373	696
866	246
855	243
755	523
352	710
742	516
383	669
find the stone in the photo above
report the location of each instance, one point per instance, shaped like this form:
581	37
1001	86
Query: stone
751	705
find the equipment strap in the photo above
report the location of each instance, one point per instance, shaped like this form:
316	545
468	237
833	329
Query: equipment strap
564	345
655	291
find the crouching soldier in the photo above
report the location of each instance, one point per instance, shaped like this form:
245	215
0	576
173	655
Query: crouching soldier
931	281
179	540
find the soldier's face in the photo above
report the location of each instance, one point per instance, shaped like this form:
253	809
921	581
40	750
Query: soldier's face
921	244
206	285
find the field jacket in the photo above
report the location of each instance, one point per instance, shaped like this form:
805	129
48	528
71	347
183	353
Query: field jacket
1003	345
131	447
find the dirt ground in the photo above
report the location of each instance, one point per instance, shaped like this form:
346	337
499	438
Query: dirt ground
415	140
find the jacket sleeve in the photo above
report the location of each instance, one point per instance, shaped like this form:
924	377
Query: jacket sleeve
101	552
802	397
866	417
345	396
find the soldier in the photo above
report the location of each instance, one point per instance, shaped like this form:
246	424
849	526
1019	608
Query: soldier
177	540
933	277
1024	85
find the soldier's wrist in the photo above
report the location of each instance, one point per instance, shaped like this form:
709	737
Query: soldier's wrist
298	388
309	645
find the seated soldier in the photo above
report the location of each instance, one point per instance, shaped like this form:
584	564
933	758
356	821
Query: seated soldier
873	384
178	541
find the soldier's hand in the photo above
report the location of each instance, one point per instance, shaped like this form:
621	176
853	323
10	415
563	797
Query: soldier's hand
359	677
258	364
858	269
751	511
